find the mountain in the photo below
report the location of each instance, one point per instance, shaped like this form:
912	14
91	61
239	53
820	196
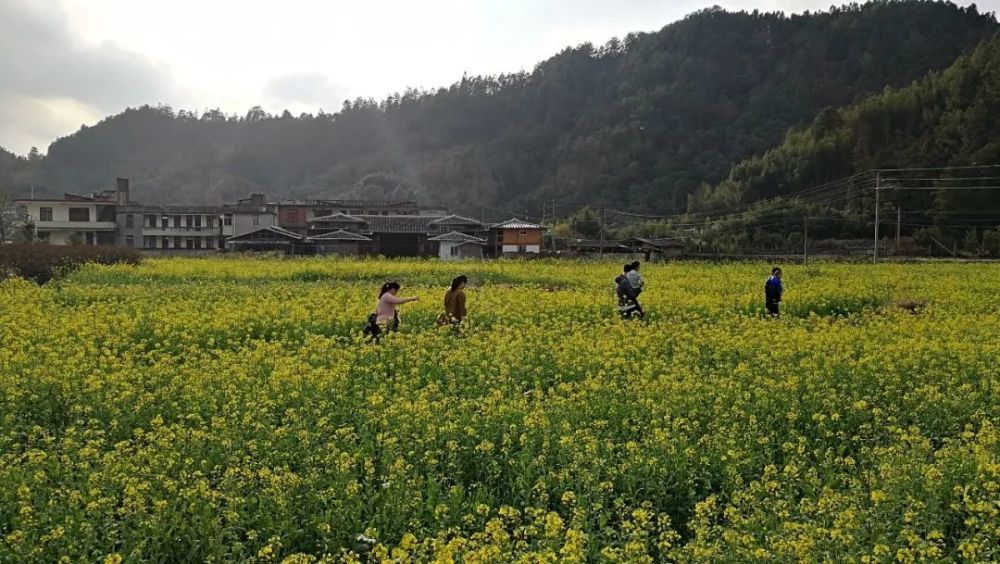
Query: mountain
946	124
639	123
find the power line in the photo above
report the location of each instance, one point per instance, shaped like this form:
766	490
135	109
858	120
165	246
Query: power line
937	188
925	169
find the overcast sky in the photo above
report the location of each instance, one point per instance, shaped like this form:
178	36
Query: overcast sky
64	63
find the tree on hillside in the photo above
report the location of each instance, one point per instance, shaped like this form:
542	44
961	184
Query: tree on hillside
6	215
586	222
640	122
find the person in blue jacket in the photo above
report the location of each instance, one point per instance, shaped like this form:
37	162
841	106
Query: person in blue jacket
773	291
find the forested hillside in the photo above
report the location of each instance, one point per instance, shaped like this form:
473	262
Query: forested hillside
945	124
640	122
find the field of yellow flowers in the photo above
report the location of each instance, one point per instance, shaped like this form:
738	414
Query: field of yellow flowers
228	410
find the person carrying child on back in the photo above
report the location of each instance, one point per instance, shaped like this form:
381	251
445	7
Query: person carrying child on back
772	292
635	279
627	304
454	303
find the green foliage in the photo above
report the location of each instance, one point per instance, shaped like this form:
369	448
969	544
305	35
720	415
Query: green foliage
42	263
947	119
991	242
586	222
640	122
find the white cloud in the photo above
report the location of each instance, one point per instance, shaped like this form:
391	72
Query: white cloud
52	82
66	62
305	88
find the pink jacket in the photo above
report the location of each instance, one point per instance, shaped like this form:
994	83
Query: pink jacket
386	307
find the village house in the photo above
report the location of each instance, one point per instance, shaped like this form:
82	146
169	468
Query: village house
297	215
340	227
72	219
516	236
655	247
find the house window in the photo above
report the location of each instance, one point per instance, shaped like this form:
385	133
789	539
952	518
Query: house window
209	221
523	232
44	214
149	220
165	242
190	243
227	219
129	241
454	251
209	242
147	242
177	221
79	214
165	222
129	222
197	242
256	220
522	249
500	237
43	236
188	221
197	221
177	242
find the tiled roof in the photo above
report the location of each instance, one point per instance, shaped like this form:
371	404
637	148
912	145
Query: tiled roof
658	241
339	235
455	220
398	223
337	218
457	237
273	229
515	223
596	243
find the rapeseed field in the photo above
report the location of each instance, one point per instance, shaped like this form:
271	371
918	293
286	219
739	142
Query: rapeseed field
230	410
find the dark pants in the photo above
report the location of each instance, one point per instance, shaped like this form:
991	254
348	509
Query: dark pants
629	306
772	307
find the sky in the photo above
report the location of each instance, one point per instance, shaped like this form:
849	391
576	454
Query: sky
67	63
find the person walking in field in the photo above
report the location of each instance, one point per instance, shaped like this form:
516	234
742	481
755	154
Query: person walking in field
772	292
627	303
454	303
386	316
635	279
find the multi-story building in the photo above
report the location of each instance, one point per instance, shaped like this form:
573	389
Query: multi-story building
296	215
112	218
87	220
516	236
390	228
248	214
191	228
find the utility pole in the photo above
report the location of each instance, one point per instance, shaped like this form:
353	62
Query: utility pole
602	233
805	238
878	188
899	219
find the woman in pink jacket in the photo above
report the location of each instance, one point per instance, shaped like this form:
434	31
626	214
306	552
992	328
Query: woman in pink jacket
387	311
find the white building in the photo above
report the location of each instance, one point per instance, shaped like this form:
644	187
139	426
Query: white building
73	219
455	245
112	218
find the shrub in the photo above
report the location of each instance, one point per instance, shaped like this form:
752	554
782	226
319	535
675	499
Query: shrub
42	263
